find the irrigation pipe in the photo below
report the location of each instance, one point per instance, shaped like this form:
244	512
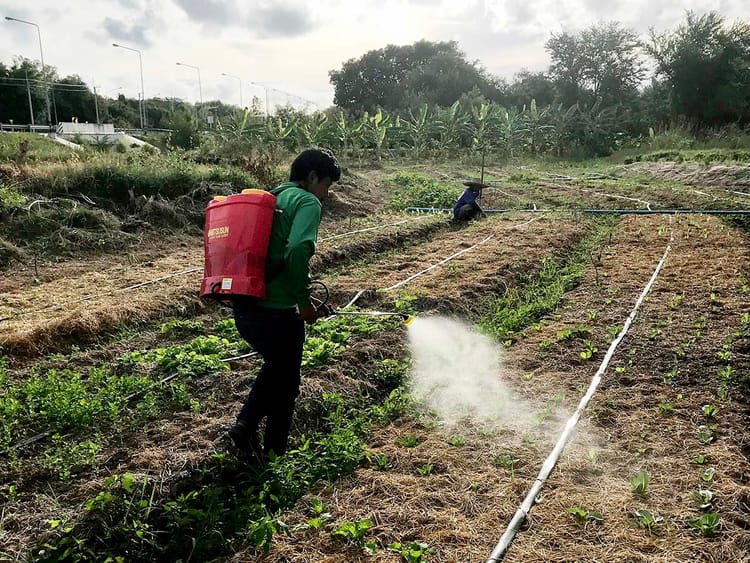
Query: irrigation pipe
549	464
54	307
344	235
95	295
604	194
604	211
451	257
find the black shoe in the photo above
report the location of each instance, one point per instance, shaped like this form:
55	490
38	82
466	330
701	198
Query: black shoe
245	439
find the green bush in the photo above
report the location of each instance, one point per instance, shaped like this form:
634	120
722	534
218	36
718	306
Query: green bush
416	190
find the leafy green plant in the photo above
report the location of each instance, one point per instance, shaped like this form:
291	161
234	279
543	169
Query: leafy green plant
703	498
709	411
379	461
355	533
66	459
584	516
457	441
181	327
320	514
705	434
413	552
319	352
572	333
647	520
639	484
708	475
589	349
508	462
699	459
666	408
408	441
707	525
426	469
260	532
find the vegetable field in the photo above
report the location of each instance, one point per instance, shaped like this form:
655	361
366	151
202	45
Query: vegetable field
115	394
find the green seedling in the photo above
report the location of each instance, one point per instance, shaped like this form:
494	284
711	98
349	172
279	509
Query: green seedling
379	461
545	345
592	315
408	441
639	484
676	301
699	459
647	520
426	469
457	441
654	333
572	333
707	525
355	533
725	354
708	475
726	373
508	462
710	411
722	392
589	349
413	552
584	517
705	435
703	498
666	408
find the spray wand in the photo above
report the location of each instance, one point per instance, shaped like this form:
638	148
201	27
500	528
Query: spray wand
322	304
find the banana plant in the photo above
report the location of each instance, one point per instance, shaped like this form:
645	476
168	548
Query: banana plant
316	131
345	133
280	134
376	130
419	130
537	126
483	126
451	127
561	126
511	129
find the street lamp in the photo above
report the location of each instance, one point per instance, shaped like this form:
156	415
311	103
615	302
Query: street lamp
41	55
200	88
265	87
238	80
143	96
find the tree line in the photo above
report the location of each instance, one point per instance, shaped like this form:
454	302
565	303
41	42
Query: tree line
428	98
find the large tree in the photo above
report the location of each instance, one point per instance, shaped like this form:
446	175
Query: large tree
706	65
397	78
601	63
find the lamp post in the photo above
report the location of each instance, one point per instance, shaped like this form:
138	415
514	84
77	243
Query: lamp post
238	79
265	87
200	88
143	96
41	55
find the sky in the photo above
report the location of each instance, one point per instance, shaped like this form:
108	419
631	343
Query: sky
290	45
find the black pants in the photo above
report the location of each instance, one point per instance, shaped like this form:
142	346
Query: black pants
277	335
466	212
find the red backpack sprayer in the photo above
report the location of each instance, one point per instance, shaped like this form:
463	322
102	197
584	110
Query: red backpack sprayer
236	236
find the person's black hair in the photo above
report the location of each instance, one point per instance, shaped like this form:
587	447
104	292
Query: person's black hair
320	161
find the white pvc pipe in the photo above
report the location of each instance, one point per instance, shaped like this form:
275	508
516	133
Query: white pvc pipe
344	235
507	538
451	257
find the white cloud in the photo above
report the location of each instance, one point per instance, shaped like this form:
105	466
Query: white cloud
294	43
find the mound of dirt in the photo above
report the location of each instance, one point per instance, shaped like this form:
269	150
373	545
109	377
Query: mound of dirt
735	176
355	195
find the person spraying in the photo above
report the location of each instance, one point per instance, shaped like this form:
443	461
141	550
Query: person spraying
275	325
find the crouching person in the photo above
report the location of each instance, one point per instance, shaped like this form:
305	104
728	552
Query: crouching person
275	326
466	207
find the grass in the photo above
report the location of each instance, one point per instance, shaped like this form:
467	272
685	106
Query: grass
40	149
540	292
114	180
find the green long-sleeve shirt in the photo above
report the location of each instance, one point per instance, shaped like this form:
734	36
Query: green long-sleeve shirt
293	237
